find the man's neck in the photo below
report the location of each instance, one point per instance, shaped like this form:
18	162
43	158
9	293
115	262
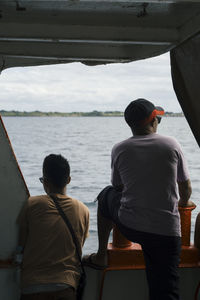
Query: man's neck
143	131
61	192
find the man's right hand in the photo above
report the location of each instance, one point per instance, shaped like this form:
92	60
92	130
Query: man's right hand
189	203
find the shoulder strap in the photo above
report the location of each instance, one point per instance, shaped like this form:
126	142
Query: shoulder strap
67	222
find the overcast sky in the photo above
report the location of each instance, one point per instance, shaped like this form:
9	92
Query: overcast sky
76	87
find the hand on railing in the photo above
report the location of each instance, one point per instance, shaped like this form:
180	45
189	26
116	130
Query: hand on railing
189	203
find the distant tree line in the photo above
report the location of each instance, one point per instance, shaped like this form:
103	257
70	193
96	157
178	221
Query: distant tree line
94	113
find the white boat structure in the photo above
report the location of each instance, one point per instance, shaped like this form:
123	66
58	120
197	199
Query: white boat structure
100	32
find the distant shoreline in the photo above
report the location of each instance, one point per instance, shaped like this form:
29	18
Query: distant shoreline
94	113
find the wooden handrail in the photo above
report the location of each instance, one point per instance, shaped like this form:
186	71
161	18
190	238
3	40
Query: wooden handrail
119	241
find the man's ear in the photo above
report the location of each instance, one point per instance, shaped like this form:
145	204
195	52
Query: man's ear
45	182
46	185
69	179
153	122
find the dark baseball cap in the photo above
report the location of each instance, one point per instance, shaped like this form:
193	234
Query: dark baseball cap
141	112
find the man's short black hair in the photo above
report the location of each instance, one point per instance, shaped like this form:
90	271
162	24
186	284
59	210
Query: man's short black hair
56	170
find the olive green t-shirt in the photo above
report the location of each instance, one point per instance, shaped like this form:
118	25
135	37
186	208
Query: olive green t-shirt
49	252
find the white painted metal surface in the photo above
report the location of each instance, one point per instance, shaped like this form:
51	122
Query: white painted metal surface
132	284
13	194
92	31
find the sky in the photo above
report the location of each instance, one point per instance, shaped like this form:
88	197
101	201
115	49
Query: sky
76	87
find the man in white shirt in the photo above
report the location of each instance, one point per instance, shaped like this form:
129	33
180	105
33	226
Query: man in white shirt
147	168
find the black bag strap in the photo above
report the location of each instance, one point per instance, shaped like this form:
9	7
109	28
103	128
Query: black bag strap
67	222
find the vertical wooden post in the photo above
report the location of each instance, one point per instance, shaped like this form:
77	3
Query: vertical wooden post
185	214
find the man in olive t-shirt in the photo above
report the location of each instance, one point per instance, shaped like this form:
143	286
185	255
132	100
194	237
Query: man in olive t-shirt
50	266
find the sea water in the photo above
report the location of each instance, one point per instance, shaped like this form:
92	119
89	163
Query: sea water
87	142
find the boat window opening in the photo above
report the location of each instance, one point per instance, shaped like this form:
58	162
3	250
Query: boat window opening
36	93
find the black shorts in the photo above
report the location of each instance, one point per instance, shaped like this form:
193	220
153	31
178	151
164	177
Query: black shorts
161	253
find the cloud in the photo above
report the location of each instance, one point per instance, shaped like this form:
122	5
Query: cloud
76	87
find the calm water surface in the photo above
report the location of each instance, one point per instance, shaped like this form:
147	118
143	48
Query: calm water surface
87	143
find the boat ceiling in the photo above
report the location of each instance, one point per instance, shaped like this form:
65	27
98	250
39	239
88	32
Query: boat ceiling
92	31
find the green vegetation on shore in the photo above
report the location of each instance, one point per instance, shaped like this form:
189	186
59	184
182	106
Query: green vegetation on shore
95	113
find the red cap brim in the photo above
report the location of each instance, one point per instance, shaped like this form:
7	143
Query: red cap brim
157	111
